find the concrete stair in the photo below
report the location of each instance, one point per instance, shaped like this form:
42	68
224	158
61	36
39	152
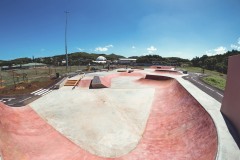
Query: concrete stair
71	83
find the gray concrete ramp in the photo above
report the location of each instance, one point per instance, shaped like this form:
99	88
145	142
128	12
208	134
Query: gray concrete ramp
99	82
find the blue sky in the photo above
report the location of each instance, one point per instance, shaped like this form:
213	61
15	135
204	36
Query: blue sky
179	28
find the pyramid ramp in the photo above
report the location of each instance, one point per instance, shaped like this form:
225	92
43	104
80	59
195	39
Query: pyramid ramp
98	82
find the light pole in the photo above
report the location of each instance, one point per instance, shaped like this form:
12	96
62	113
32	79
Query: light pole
66	12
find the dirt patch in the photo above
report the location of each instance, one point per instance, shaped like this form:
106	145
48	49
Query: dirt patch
26	87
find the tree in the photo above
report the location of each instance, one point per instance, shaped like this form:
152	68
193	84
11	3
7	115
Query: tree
195	62
210	63
216	62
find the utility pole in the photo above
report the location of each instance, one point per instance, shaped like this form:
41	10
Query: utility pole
66	12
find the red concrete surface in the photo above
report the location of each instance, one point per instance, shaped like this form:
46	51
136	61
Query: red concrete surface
165	71
106	82
84	83
132	74
25	136
177	128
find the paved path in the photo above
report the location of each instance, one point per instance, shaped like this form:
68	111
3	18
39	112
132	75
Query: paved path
212	91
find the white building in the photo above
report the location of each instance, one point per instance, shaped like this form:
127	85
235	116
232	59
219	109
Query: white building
100	59
127	61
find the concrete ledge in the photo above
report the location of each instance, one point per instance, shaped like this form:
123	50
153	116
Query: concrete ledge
122	70
61	83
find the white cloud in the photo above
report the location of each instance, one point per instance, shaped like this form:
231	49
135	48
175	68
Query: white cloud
104	49
101	49
109	46
133	47
236	46
222	50
209	52
151	49
219	50
144	54
80	49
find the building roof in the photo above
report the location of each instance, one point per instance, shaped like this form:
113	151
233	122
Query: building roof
127	59
101	58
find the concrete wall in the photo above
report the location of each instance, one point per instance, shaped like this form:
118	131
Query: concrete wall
231	101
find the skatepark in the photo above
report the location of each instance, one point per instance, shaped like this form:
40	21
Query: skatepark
125	114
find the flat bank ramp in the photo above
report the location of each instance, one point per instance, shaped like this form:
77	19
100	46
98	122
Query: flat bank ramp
177	128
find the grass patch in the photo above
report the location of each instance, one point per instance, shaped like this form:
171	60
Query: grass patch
213	78
35	78
208	72
215	81
192	69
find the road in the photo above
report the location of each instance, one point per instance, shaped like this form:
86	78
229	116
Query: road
195	78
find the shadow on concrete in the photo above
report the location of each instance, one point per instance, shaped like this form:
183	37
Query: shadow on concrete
232	130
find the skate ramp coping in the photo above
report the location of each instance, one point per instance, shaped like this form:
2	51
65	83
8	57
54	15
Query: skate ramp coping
157	77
